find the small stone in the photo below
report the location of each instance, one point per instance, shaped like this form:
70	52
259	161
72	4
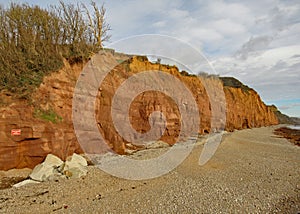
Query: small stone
25	182
130	151
156	145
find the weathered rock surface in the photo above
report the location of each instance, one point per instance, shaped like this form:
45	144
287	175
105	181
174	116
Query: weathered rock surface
244	109
50	169
75	166
39	137
242	106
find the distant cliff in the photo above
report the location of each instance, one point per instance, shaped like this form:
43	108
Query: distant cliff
46	122
244	108
283	118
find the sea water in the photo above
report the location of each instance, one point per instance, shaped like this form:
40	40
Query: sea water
294	127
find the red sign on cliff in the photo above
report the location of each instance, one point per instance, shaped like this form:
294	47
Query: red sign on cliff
15	132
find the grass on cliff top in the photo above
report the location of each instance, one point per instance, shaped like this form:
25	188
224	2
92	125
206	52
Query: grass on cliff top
232	82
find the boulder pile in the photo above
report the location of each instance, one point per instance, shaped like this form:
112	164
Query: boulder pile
53	168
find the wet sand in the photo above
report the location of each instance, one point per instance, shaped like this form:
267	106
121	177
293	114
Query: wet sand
253	171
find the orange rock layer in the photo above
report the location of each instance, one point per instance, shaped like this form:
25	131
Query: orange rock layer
242	109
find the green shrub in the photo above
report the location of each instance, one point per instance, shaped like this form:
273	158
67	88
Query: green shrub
49	115
232	82
34	41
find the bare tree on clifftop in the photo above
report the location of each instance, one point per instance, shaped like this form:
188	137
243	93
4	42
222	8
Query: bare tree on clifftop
97	24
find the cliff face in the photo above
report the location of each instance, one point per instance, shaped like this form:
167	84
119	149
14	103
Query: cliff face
246	110
39	137
243	109
145	103
242	106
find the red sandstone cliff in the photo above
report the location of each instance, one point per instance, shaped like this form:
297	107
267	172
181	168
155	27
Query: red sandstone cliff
39	137
243	109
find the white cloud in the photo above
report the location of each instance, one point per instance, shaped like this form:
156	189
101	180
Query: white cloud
177	13
228	27
235	11
159	24
206	34
274	72
254	44
255	41
214	26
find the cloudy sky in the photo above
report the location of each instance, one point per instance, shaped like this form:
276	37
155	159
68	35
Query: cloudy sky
254	41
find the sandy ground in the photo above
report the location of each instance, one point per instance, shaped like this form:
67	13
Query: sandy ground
253	171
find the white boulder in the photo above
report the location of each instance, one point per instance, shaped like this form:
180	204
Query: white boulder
75	166
50	169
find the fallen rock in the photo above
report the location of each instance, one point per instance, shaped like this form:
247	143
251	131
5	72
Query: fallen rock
53	168
75	166
25	182
55	161
130	151
50	169
156	144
